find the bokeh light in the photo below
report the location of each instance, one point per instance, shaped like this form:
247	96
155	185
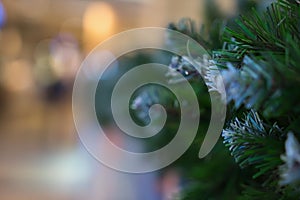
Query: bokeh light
11	42
20	69
2	15
98	23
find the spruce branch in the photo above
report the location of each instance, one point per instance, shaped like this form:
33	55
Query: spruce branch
261	33
253	143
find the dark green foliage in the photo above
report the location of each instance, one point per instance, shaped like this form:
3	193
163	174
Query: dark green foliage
209	37
215	177
260	59
263	56
260	64
266	49
252	143
258	34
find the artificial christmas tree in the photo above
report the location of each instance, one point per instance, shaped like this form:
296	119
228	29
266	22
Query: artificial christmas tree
258	155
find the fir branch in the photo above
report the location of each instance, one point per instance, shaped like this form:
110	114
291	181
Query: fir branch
267	82
257	193
253	143
261	33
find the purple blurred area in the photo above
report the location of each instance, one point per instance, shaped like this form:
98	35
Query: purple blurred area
2	15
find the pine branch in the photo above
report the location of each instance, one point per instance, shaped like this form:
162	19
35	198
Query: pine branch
266	51
207	36
258	34
254	144
254	193
266	84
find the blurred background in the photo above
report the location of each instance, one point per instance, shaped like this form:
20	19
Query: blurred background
42	44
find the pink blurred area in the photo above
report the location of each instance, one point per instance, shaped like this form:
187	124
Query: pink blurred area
42	44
